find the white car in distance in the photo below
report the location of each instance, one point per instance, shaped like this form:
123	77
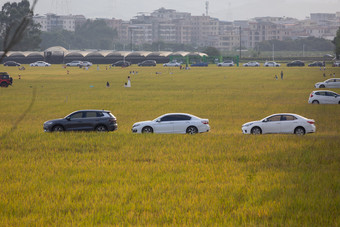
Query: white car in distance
271	64
86	64
280	123
40	64
172	64
330	83
251	64
226	63
74	63
324	97
173	123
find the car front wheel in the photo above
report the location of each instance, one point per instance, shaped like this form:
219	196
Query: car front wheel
147	129
192	130
299	131
256	131
58	128
322	86
4	84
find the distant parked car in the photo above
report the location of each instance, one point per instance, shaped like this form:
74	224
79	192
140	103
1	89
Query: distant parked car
226	63
40	64
11	63
83	120
295	63
199	64
280	123
173	123
74	63
316	64
271	64
336	64
324	97
121	63
172	64
148	63
330	83
251	64
86	64
5	79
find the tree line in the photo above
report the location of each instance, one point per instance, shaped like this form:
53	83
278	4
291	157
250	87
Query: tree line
95	34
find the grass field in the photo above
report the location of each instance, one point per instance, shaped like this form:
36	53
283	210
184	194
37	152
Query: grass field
220	178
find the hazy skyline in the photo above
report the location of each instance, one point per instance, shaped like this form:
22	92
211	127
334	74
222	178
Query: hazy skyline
222	9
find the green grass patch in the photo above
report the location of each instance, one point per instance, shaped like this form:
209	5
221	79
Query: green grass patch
220	178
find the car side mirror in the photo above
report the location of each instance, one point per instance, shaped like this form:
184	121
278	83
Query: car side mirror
158	120
265	120
68	118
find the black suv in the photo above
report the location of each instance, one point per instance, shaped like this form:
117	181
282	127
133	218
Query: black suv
83	120
5	79
122	63
148	63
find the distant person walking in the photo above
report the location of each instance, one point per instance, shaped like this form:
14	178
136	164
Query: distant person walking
275	77
107	84
281	75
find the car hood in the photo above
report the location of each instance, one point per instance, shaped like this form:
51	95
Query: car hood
250	123
143	123
55	120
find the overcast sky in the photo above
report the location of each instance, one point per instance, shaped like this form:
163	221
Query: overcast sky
221	9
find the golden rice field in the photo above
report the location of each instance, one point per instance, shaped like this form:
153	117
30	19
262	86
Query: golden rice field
221	178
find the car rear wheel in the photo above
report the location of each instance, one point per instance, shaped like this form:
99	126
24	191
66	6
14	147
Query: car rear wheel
58	128
192	130
101	128
147	129
315	102
322	86
299	131
256	131
4	84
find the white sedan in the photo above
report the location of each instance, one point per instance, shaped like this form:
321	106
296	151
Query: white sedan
330	83
251	64
280	123
324	97
40	63
226	63
172	64
271	64
173	123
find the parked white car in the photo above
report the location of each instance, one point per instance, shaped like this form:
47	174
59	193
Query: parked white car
324	97
330	83
86	63
271	64
74	63
251	64
226	63
280	123
40	64
172	64
173	123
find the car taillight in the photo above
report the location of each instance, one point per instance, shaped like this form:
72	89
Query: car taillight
311	95
311	122
205	122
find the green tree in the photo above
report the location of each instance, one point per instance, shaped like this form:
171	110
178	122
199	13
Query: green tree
212	51
11	17
336	42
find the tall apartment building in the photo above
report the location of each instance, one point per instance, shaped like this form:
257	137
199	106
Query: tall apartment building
52	22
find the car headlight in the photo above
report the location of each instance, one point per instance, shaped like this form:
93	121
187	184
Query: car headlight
247	125
135	125
48	123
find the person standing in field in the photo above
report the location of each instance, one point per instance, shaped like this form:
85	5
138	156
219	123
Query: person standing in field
281	75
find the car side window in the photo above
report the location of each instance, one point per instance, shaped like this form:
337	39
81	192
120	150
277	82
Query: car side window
77	115
100	114
322	93
167	118
274	118
91	114
288	118
330	94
